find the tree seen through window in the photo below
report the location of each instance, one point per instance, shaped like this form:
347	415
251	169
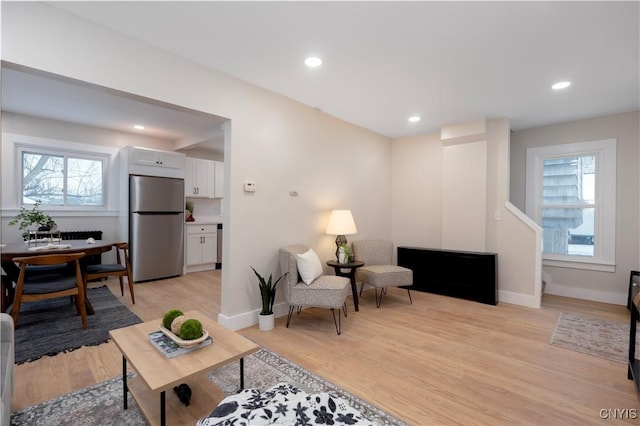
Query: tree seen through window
62	180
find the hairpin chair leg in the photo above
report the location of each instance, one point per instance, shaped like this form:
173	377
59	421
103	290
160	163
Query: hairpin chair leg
291	308
337	323
379	300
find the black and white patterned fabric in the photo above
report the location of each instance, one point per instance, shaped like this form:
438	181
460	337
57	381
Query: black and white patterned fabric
283	404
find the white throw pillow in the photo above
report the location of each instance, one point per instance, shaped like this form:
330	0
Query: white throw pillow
309	266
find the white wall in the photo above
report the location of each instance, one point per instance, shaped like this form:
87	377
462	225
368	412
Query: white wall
274	141
592	285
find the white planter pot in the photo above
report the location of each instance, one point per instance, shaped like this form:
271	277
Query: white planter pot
266	322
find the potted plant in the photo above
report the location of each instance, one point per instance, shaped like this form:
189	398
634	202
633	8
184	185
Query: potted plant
188	207
28	218
268	295
348	254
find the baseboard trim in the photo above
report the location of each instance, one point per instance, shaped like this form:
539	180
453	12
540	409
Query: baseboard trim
586	294
518	299
200	268
248	319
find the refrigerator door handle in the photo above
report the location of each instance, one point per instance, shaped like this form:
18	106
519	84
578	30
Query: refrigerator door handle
155	213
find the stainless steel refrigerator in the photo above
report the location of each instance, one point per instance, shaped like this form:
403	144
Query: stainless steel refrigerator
156	227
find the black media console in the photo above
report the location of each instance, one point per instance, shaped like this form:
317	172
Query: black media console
634	302
462	274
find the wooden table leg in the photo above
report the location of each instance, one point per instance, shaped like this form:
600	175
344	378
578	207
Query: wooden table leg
352	278
354	289
163	411
241	374
125	389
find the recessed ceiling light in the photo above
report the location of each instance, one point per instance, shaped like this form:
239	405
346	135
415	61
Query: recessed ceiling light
561	85
414	119
138	127
313	61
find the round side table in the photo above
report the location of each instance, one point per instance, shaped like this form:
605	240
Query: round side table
348	270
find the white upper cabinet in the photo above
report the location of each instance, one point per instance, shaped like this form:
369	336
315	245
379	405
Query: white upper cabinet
150	157
199	179
152	162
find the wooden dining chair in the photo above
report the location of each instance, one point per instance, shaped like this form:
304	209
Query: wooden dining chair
32	287
120	269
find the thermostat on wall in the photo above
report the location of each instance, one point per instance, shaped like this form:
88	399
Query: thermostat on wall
249	186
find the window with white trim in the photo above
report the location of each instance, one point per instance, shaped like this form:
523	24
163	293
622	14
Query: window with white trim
62	178
570	193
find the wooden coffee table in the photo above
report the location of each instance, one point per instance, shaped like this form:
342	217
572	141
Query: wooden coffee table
157	374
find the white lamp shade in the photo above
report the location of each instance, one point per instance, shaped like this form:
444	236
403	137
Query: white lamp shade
341	223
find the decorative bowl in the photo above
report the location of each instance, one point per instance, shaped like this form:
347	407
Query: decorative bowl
185	343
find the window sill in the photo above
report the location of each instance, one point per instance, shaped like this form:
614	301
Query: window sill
580	264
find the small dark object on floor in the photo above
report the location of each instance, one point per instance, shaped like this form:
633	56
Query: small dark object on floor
184	393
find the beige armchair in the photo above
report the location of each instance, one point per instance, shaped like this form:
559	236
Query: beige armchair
378	270
321	291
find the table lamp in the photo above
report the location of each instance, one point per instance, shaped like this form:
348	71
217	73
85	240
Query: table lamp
341	223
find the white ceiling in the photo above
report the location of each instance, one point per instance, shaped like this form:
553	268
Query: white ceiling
43	95
384	61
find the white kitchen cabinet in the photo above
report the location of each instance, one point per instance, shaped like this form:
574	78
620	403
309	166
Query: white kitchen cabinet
201	247
199	179
218	191
152	157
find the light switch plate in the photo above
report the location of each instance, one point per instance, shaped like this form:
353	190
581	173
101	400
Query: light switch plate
249	186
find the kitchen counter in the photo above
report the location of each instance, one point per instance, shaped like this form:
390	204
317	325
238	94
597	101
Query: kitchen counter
214	220
203	244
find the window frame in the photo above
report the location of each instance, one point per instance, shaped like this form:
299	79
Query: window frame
20	148
603	258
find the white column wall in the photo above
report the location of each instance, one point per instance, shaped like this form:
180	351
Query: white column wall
417	191
464	196
510	233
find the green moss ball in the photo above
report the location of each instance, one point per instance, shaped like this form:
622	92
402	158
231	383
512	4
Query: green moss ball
170	316
191	329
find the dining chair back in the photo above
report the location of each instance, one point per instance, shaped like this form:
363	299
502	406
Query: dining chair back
33	286
120	269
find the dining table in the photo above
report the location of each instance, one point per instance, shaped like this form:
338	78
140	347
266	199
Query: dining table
13	250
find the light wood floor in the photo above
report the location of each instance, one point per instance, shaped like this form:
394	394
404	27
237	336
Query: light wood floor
438	361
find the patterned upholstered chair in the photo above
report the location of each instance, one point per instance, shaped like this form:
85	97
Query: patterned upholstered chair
378	270
321	291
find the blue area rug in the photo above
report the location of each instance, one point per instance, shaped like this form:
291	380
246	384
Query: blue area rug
53	326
